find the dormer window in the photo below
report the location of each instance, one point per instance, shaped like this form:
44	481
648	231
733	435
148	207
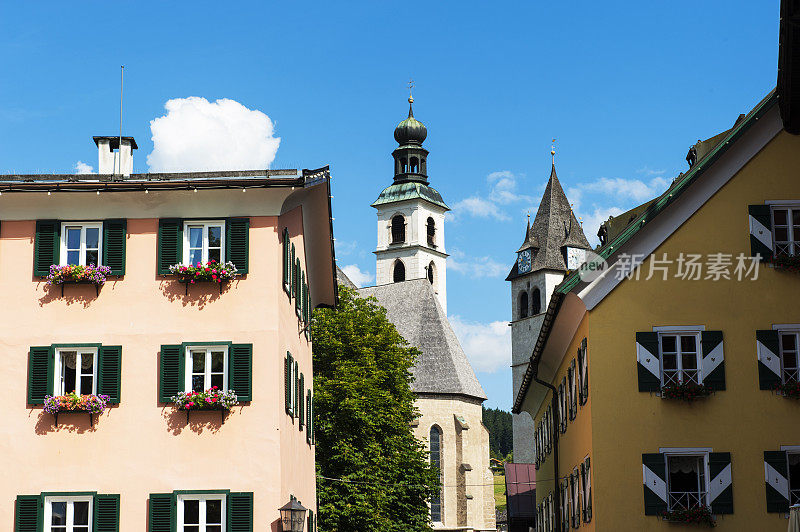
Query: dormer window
398	229
431	227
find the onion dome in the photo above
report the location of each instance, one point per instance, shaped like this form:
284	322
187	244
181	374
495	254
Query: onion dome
410	130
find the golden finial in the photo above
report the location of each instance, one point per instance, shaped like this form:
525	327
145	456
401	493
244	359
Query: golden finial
410	88
553	151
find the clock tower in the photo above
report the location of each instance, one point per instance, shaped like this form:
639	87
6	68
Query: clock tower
552	246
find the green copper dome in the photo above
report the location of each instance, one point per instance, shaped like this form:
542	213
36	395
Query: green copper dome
410	130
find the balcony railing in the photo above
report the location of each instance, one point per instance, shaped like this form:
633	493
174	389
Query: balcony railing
676	376
686	500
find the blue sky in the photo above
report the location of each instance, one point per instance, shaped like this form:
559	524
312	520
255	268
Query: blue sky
624	87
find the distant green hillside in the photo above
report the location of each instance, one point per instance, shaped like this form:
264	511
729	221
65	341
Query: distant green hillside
498	423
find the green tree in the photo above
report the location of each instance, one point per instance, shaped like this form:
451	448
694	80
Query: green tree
501	438
364	408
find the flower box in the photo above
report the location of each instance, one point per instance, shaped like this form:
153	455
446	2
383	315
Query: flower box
211	399
209	272
76	274
685	391
88	404
789	389
787	263
698	515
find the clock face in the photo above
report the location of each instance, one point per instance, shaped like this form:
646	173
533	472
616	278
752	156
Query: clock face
524	261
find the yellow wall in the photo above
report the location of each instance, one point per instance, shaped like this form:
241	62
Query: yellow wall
742	419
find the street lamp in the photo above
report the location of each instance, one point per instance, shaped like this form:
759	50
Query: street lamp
293	516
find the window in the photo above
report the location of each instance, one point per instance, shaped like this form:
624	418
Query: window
586	485
206	367
794	477
399	274
790	368
75	371
536	302
583	374
81	243
68	513
203	242
680	360
686	481
436	462
431	227
523	305
431	272
201	513
398	229
786	230
573	395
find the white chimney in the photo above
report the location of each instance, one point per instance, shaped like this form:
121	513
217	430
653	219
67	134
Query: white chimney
119	162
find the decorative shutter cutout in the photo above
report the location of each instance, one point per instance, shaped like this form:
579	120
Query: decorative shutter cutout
109	372
106	513
114	236
713	359
46	246
171	377
170	244
769	361
648	362
720	488
240	512
654	470
28	515
241	378
760	222
161	512
776	481
237	243
40	373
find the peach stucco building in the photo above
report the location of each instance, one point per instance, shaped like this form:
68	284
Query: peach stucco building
144	464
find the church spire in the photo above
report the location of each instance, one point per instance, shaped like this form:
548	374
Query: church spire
410	158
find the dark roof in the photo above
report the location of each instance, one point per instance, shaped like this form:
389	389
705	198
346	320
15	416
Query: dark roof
789	65
407	191
555	226
115	142
442	367
520	490
616	224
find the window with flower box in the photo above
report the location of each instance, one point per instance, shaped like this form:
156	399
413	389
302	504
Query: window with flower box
198	366
85	243
81	243
75	370
188	242
67	512
80	369
201	511
206	367
677	358
204	241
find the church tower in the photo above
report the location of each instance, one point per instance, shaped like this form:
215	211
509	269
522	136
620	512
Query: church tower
411	216
554	244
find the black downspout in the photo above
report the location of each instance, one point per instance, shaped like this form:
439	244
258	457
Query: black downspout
555	449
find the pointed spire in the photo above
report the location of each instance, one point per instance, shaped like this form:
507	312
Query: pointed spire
410	98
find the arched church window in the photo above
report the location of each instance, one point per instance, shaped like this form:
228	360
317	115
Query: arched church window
398	229
431	226
536	301
414	165
431	272
523	305
436	462
399	271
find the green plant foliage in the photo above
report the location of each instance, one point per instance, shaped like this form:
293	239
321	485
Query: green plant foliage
364	408
501	438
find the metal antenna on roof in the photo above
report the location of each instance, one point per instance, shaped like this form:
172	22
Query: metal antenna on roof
119	147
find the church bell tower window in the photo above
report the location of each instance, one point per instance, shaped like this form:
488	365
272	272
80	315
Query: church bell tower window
523	305
399	271
398	230
431	228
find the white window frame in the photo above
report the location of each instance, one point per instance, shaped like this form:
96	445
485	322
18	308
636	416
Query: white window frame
58	381
82	250
69	499
205	224
793	241
677	332
789	330
696	452
203	498
207	371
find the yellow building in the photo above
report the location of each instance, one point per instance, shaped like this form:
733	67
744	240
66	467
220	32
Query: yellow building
661	381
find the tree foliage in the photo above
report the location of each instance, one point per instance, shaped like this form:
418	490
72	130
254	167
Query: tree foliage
501	440
364	407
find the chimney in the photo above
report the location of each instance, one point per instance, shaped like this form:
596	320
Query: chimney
119	162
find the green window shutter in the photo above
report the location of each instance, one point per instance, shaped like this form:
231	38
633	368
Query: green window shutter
760	222
28	515
311	521
161	512
46	246
40	373
240	512
769	361
713	360
654	466
237	243
648	362
286	260
292	272
776	480
298	297
170	372
287	382
170	244
721	486
308	416
303	296
114	232
106	513
241	369
109	372
313	423
296	379
300	405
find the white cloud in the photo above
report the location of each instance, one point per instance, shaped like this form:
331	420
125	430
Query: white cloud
344	247
359	278
475	266
198	135
487	345
502	192
592	221
634	189
83	168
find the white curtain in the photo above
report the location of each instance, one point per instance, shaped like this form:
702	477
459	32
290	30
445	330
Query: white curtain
684	464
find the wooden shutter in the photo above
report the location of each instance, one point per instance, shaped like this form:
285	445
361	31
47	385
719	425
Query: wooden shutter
114	236
109	372
760	222
161	512
311	522
296	382
776	481
303	307
28	515
170	244
46	246
298	288
106	513
170	372
300	404
713	360
241	371
720	487
286	258
587	490
313	423
292	273
287	382
654	468
573	392
308	416
584	371
240	512
41	361
648	362
769	360
237	243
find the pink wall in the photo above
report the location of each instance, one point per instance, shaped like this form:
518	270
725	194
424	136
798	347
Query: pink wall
141	447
